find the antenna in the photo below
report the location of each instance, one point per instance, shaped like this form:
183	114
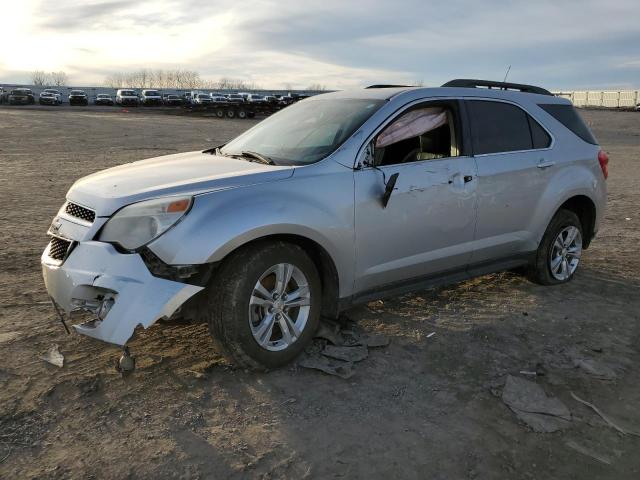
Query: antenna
507	74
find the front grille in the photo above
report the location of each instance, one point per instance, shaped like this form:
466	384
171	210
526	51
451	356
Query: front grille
58	248
78	211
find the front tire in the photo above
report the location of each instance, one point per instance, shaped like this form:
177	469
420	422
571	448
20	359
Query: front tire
558	255
263	306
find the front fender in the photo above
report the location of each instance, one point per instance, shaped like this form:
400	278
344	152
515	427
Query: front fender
222	221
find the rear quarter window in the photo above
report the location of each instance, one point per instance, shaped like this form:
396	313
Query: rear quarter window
570	118
539	136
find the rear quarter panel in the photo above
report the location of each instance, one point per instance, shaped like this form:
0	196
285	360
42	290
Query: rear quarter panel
576	172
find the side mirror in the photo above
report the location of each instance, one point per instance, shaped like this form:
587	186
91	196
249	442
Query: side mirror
388	189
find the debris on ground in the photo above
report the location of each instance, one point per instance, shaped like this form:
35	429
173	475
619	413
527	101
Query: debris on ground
53	356
431	334
355	353
531	404
374	340
585	451
609	422
539	371
337	346
594	368
329	331
327	365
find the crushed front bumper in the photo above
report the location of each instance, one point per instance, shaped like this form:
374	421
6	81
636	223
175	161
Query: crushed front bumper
117	287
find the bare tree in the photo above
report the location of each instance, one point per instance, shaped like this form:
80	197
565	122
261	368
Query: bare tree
38	78
58	79
158	78
317	87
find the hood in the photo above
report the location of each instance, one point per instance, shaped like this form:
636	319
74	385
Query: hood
182	173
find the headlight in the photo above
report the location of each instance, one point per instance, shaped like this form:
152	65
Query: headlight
139	223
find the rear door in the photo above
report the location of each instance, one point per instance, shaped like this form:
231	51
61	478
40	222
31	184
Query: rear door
513	157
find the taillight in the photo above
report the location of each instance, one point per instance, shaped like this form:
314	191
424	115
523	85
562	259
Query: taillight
603	159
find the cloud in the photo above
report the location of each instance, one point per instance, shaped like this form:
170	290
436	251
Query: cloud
337	43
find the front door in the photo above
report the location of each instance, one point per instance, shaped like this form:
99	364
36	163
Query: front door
428	225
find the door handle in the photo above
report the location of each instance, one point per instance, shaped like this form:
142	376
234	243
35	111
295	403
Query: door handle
543	164
465	179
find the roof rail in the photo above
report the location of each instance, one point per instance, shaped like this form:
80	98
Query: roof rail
388	86
470	83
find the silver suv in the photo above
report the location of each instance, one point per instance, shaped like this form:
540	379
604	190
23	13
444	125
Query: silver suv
339	199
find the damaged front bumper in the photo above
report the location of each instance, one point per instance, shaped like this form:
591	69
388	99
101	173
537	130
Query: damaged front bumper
118	288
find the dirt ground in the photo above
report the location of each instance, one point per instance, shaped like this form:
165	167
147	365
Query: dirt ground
423	407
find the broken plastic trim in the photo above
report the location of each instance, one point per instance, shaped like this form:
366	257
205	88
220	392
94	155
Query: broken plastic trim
193	274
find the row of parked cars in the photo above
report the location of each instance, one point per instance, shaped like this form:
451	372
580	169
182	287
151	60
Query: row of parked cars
49	96
147	97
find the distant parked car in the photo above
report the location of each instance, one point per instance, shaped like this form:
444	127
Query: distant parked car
78	97
46	97
218	98
253	98
638	107
202	99
186	98
21	96
3	95
104	99
127	97
235	98
171	100
150	97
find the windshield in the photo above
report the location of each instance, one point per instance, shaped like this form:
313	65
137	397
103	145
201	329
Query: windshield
103	95
51	91
202	95
77	92
305	132
128	93
20	92
151	93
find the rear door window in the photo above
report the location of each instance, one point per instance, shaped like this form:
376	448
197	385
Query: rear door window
498	127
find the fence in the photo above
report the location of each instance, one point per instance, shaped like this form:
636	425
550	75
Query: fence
606	99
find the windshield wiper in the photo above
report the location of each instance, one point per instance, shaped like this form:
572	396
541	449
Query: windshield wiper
258	156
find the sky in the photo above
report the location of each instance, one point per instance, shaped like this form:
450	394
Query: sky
559	44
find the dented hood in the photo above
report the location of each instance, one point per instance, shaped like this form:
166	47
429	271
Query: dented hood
182	173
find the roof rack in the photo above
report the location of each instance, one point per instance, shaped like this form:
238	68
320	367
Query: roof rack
388	86
470	83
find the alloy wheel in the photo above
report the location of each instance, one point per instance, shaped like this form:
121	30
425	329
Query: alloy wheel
565	253
279	307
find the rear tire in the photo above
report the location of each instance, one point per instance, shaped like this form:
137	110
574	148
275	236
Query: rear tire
219	112
231	113
558	254
257	319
